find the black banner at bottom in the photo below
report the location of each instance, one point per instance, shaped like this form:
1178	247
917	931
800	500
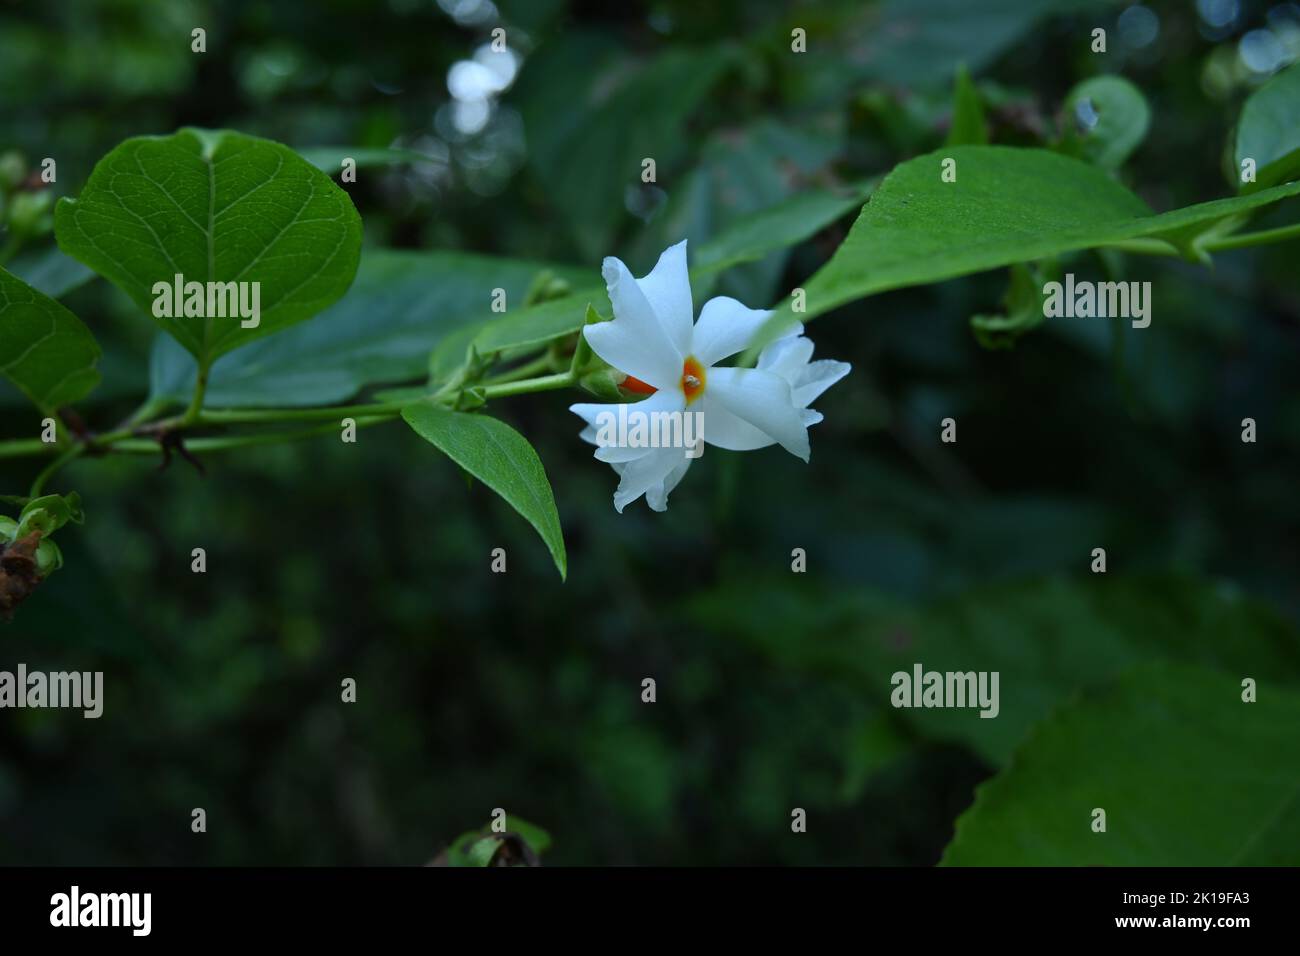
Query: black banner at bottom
336	905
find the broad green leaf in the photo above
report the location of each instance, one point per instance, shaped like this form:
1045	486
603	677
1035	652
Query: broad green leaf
1187	773
740	173
215	206
45	350
1106	119
1007	205
588	135
1047	638
1269	131
968	127
50	271
779	226
402	304
501	458
917	44
329	159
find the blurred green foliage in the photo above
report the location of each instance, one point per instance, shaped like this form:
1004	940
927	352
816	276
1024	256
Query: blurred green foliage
478	690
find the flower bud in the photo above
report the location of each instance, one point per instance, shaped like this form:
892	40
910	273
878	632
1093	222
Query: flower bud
48	558
8	529
604	383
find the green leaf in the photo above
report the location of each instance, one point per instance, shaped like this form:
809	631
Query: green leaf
918	43
741	173
588	135
481	852
49	513
968	126
779	226
1047	638
215	206
1187	773
532	834
329	159
46	350
1269	131
1007	205
1106	119
502	459
50	271
401	306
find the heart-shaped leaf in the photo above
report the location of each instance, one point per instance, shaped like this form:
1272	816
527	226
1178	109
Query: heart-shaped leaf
215	207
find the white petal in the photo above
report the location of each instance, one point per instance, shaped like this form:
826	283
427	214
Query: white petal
589	412
639	476
816	378
657	497
664	400
636	341
722	429
786	357
668	290
725	328
763	399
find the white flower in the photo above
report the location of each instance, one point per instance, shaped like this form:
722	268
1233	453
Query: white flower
652	339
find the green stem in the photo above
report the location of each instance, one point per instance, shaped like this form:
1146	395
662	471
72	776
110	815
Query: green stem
128	438
543	383
196	404
39	484
1262	238
258	416
1145	247
144	446
540	364
26	447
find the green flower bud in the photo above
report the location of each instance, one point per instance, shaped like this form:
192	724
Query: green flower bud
37	519
49	513
472	397
604	383
48	558
8	529
12	170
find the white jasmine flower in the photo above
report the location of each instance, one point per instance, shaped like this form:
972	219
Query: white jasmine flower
652	339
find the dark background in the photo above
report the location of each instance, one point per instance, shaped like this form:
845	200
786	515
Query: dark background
371	561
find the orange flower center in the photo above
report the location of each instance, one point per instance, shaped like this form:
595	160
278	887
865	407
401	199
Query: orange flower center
692	379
